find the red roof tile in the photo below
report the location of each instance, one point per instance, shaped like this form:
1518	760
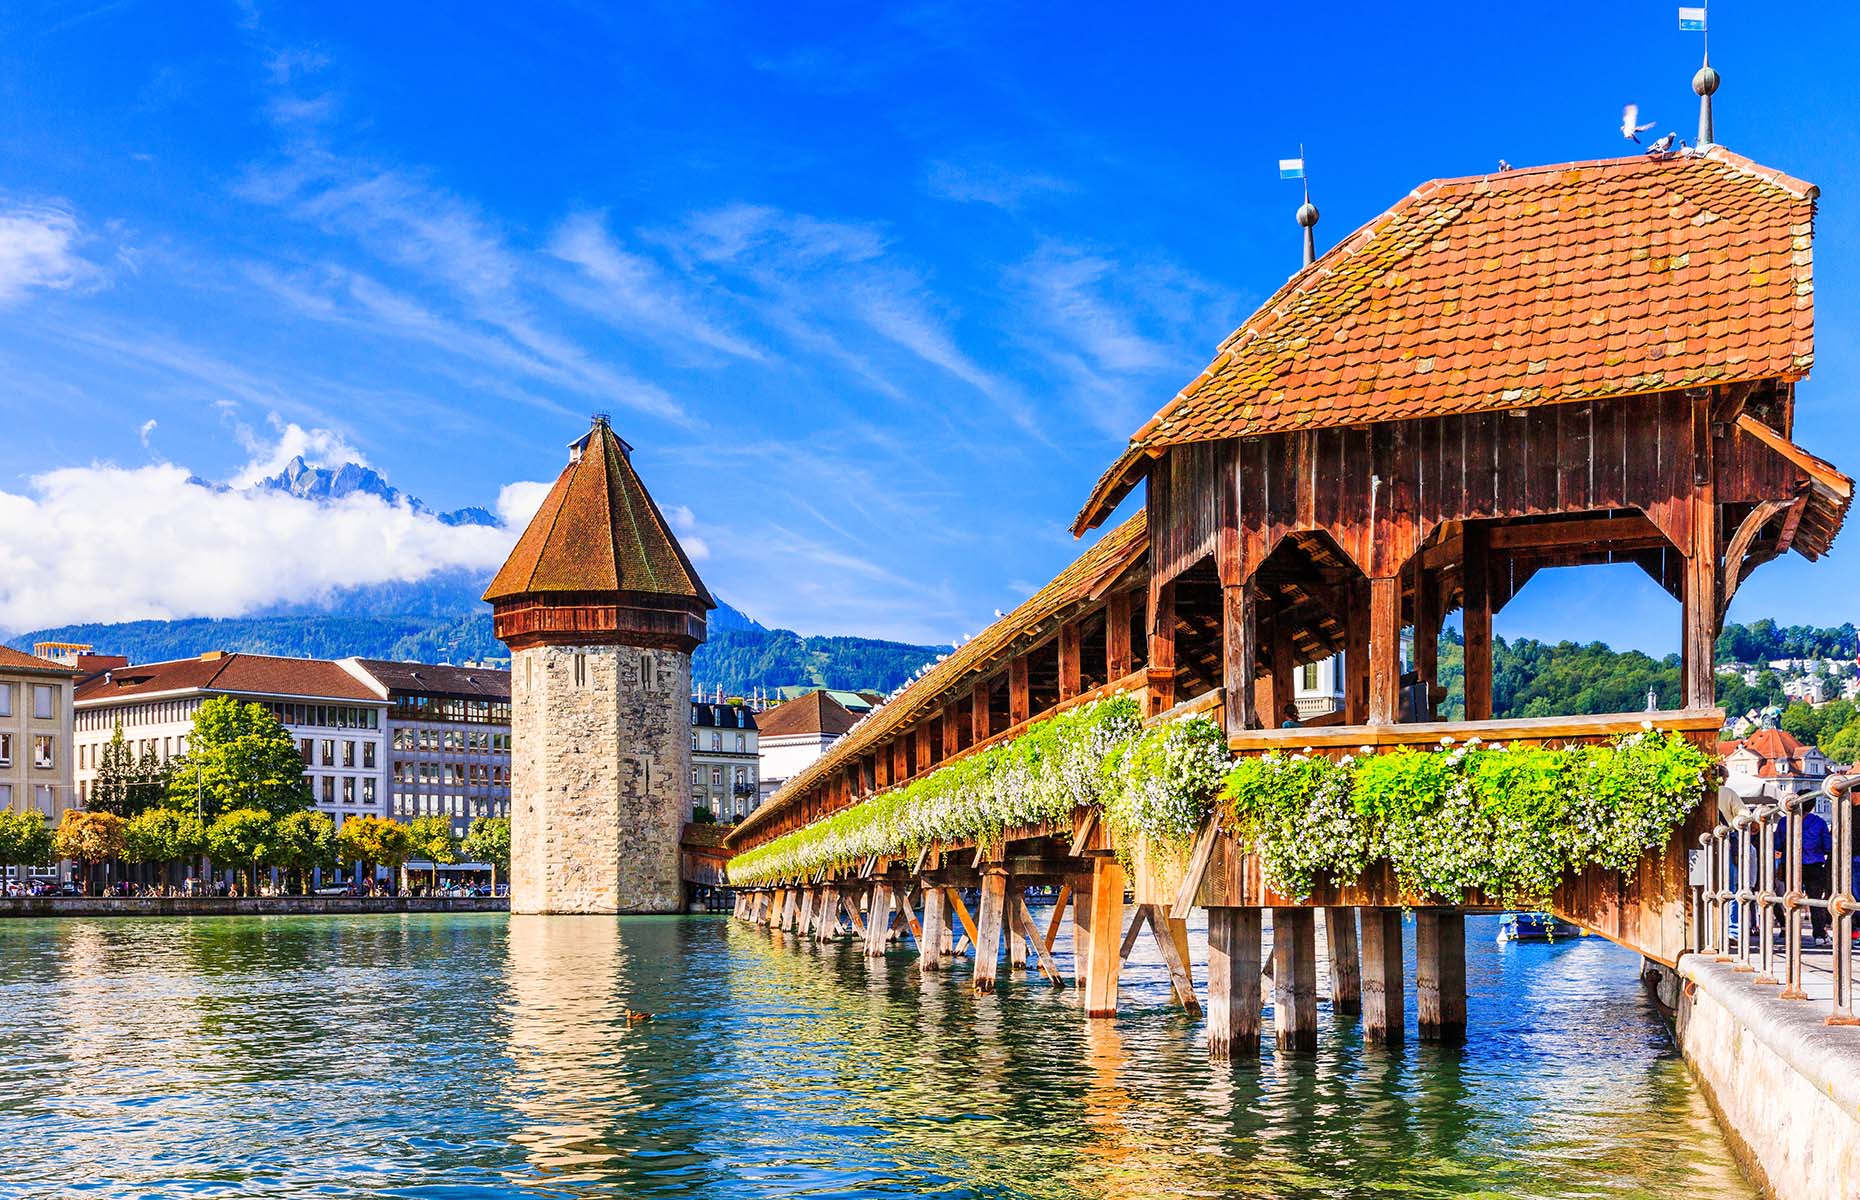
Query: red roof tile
248	674
19	660
598	531
815	712
1529	287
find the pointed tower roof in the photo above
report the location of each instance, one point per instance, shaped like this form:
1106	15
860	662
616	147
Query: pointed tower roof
598	530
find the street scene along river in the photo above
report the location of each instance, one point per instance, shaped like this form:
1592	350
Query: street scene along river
480	1055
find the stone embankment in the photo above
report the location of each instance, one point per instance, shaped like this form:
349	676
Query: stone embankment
242	906
1784	1082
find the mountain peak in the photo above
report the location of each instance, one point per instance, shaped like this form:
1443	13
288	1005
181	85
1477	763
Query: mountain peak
300	479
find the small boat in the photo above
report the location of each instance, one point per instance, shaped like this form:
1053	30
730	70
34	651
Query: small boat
1534	927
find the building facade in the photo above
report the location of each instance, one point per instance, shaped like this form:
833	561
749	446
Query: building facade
447	739
601	610
725	760
339	723
37	762
1776	761
797	732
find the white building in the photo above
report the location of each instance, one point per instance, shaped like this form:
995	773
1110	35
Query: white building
339	722
36	761
1318	688
724	759
448	739
796	733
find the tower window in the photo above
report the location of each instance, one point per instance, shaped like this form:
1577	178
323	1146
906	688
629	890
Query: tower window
581	670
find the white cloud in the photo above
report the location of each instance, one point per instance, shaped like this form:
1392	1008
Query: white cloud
685	523
146	431
109	543
518	502
293	440
38	250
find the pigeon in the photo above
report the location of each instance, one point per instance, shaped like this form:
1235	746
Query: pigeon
1503	165
1629	129
1663	145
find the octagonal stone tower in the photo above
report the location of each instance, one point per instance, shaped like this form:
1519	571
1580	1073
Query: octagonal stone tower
601	610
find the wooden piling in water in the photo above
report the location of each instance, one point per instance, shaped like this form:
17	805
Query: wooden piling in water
931	948
1440	975
1384	998
1105	938
878	920
1233	983
1346	976
1294	978
988	929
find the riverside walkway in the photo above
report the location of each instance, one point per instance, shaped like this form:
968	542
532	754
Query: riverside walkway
1594	363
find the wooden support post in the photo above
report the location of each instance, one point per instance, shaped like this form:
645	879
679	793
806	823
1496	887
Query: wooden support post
1071	660
952	731
1020	694
1440	975
1384	650
1356	651
1294	978
1233	983
1042	946
804	919
1162	648
1104	957
1284	677
878	920
1081	930
962	915
1239	652
1427	618
1172	940
1017	937
936	930
1346	977
988	940
1383	995
1697	673
1119	658
853	918
981	728
1476	607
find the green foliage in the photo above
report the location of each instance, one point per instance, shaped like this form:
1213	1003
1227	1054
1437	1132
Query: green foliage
239	756
744	659
488	841
430	838
1736	697
1765	641
374	841
163	835
25	839
1508	822
1844	745
303	841
1058	765
245	836
1159	784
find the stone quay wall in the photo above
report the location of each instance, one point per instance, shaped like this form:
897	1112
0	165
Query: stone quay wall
600	778
1784	1084
242	906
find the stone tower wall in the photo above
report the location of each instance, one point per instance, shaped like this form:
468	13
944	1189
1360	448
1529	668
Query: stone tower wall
600	771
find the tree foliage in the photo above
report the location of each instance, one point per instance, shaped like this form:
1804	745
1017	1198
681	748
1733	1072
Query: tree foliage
488	841
163	835
1765	641
239	756
374	842
304	841
25	839
245	836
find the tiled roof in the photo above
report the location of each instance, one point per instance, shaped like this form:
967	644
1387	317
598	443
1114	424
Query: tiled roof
1527	287
19	660
1780	752
462	683
815	713
947	680
723	716
250	674
598	531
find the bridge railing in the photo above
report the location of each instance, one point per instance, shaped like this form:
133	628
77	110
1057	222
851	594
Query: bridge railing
1757	893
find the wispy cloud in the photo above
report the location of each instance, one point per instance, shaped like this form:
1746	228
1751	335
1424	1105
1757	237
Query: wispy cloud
38	250
991	184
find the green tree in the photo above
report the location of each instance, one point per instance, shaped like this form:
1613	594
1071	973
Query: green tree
243	836
116	776
164	837
1803	721
374	842
304	841
25	839
488	841
431	838
149	787
91	838
239	756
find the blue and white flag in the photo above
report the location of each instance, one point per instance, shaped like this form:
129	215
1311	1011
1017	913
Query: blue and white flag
1692	20
1292	168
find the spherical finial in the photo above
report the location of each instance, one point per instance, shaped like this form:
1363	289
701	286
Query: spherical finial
1307	214
1706	81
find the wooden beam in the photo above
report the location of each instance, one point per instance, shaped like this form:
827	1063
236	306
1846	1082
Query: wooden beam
952	730
878	920
988	944
1196	871
1020	695
1701	607
1042	946
1440	975
1356	654
1384	650
1071	659
1162	648
933	944
1081	929
1059	914
1239	653
1104	962
1476	608
1630	531
1172	941
979	723
1294	979
1346	975
1233	983
962	913
1732	574
1119	657
1284	675
1427	619
1384	1003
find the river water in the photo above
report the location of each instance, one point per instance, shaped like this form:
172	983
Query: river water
476	1056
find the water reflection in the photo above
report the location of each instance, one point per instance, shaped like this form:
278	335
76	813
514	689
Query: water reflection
479	1056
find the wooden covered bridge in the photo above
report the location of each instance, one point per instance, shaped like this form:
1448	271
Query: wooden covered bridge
1580	364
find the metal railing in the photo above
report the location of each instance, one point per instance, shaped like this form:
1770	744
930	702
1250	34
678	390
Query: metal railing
1754	894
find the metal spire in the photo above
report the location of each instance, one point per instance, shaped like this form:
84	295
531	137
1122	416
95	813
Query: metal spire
1307	212
1706	81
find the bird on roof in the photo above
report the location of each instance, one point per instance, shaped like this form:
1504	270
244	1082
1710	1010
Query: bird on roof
1503	165
1664	145
999	614
1629	129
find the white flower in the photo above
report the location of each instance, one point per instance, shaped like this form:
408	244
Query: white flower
1446	739
1365	750
1648	725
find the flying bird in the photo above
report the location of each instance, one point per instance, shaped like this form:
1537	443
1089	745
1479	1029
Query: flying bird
1629	129
1663	145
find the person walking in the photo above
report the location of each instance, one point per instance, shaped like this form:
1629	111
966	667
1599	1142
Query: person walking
1817	849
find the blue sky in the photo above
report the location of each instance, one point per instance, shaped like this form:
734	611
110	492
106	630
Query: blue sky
876	293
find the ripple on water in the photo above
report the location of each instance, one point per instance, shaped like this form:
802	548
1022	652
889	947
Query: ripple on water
477	1056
